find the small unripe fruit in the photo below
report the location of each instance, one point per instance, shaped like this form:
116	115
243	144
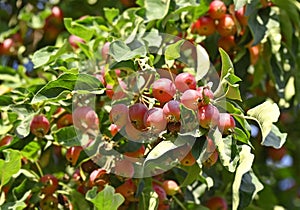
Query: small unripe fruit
226	26
204	26
39	126
217	9
171	187
124	168
50	184
163	90
226	123
155	120
172	111
85	118
208	116
73	154
185	81
136	115
217	203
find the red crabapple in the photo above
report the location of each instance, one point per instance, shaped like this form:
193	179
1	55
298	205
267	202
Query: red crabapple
162	195
124	168
226	26
85	118
227	43
211	160
39	126
208	116
114	129
217	203
191	98
117	91
276	154
171	110
171	187
136	115
240	16
155	120
105	50
119	115
188	160
226	123
73	154
206	95
6	140
98	178
163	90
6	46
185	81
127	189
50	184
217	9
204	26
64	121
132	133
74	40
136	154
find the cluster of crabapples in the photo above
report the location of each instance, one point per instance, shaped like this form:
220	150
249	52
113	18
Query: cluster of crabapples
138	119
230	24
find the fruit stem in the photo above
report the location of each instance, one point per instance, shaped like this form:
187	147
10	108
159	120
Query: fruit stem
179	202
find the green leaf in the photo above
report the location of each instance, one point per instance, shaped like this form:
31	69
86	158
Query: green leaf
106	199
193	173
173	50
121	52
226	149
245	164
250	186
78	29
265	114
257	23
10	166
228	84
66	83
67	136
78	201
31	151
110	14
23	129
275	138
156	9
47	55
238	4
203	62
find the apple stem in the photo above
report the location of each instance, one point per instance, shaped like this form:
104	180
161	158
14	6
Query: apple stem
179	202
